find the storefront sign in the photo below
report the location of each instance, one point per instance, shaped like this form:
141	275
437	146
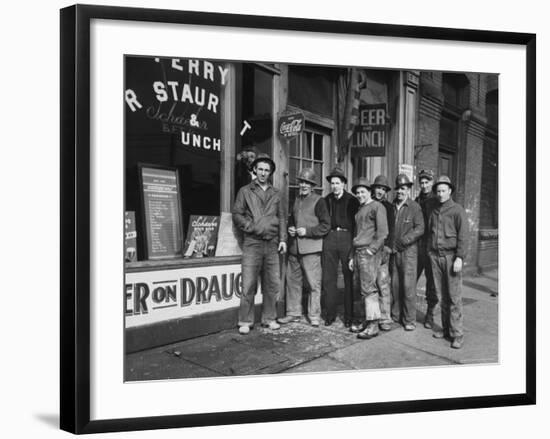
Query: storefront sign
130	236
202	236
162	211
291	125
177	96
408	170
369	136
156	296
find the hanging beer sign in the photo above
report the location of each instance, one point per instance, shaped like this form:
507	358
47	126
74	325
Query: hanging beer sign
369	136
291	125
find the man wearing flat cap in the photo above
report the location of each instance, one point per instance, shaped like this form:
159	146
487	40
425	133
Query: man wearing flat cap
259	213
380	188
308	224
342	207
409	228
371	229
427	201
448	228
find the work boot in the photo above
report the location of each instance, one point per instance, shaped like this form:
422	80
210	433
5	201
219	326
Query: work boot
357	327
441	334
243	330
457	342
429	319
273	325
288	319
385	326
371	331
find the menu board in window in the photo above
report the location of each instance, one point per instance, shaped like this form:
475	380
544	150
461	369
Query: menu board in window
161	211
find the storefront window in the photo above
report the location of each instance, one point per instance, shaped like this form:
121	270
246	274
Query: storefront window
255	124
306	151
173	122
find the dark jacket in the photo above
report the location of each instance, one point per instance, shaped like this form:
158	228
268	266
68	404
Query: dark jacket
311	213
448	229
390	216
427	202
371	226
409	225
345	216
260	215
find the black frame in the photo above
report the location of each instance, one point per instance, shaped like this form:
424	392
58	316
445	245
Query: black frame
75	215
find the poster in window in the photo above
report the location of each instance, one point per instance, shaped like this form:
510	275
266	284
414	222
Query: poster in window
202	236
162	212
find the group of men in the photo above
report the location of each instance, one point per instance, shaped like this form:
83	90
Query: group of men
385	244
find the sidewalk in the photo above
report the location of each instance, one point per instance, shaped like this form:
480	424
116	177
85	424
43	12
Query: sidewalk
299	347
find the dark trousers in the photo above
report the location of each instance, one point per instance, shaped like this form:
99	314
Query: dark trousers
448	286
425	265
403	279
336	249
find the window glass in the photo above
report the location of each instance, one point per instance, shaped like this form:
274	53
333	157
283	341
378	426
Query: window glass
173	119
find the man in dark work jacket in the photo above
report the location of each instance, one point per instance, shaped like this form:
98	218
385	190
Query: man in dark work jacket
428	202
448	227
342	207
409	228
309	223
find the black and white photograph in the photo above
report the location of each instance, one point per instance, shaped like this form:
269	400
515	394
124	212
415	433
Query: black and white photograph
300	218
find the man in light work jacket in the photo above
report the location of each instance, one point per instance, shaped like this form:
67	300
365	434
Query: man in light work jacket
342	207
310	222
447	248
380	188
371	228
409	228
259	213
427	201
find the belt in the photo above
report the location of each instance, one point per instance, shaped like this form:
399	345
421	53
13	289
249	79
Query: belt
340	229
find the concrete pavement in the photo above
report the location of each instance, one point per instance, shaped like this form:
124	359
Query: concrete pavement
299	347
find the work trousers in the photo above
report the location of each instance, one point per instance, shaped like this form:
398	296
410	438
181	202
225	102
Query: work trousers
448	287
424	264
383	281
367	268
336	249
260	260
300	266
403	279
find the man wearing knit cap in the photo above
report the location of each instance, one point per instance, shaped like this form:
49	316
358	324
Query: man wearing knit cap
448	228
309	223
409	228
371	228
427	201
342	207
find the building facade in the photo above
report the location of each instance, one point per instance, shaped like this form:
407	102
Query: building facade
191	127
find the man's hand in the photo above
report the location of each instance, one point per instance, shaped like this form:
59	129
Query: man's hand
292	231
457	266
350	264
282	247
301	231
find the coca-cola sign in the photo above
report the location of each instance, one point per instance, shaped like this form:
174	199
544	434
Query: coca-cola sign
291	125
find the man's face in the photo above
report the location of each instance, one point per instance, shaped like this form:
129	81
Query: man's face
426	185
402	193
379	192
305	188
443	192
263	171
336	186
362	194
